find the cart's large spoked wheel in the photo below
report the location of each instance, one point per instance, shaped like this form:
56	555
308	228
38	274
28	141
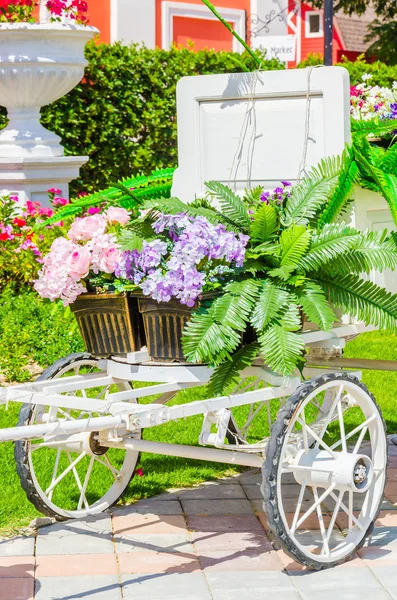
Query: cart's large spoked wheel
325	470
76	477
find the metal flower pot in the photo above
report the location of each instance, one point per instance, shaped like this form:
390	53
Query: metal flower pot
164	323
110	324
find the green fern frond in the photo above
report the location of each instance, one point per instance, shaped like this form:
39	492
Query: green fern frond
316	306
205	340
232	206
328	244
374	126
294	242
310	195
130	241
372	251
343	192
253	196
387	183
281	347
270	304
361	299
389	160
228	373
264	224
127	193
234	307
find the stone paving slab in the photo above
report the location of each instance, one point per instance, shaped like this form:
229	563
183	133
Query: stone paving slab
19	546
17	589
169	586
211	542
100	587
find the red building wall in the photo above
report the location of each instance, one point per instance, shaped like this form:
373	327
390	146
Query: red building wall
314	45
204	33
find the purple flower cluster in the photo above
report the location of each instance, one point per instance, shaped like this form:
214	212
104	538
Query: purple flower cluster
278	195
188	256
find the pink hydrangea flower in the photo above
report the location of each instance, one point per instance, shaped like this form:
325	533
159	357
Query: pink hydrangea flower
86	228
116	214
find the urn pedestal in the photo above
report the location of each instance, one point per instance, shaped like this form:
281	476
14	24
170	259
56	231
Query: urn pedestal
39	63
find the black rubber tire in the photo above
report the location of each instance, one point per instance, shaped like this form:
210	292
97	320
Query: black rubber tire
271	464
20	453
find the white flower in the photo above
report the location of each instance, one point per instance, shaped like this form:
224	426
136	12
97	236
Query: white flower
366	76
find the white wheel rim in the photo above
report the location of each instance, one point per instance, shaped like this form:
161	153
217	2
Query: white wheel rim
330	544
121	475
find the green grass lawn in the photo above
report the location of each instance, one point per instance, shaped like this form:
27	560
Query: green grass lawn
161	473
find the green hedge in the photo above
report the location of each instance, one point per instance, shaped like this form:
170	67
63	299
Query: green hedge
382	74
123	113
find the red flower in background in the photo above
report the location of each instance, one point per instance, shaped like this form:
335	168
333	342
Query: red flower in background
19	222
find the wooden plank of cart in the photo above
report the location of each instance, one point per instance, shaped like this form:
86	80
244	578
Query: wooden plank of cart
320	442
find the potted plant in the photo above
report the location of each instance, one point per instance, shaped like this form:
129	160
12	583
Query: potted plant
297	260
39	63
180	263
84	262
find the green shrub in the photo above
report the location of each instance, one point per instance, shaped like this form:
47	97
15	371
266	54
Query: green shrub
382	74
123	113
33	332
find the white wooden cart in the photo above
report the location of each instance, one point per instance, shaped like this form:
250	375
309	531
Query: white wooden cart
320	442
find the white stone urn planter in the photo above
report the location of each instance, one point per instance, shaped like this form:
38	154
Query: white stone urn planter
39	63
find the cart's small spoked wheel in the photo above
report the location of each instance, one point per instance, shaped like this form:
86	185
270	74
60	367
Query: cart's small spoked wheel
249	426
325	470
74	477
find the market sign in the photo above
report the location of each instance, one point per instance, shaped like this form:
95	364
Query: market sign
282	47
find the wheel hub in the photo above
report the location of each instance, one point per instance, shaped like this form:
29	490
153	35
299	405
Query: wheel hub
343	470
95	446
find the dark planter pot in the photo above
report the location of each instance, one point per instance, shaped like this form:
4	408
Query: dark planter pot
164	323
110	324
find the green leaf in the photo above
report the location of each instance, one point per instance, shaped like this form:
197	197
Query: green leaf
264	224
372	250
270	304
294	242
229	372
310	196
361	299
328	244
343	192
234	307
231	204
283	273
316	306
281	347
130	241
207	341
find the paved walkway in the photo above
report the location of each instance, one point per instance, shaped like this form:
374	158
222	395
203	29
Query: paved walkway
206	543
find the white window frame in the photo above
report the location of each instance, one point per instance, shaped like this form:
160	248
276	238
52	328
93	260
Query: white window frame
308	33
169	10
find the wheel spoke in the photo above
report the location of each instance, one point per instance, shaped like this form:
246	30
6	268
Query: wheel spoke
55	471
318	439
78	481
65	472
325	548
106	463
298	507
85	485
342	427
346	510
356	430
335	515
360	440
314	506
330	416
304	431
